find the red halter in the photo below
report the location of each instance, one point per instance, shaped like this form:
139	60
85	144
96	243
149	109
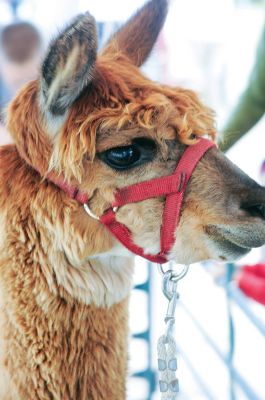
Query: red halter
172	186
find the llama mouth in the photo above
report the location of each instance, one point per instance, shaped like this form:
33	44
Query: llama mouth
229	251
245	236
229	245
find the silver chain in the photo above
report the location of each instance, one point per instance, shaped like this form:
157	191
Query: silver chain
166	346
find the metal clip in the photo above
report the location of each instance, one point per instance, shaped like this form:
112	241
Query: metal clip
166	347
169	288
176	276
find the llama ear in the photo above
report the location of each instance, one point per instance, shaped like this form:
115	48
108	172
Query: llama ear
68	66
137	37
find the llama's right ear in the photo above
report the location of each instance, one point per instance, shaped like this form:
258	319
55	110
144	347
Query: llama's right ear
68	66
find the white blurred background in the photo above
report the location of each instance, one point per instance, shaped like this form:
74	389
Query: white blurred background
209	46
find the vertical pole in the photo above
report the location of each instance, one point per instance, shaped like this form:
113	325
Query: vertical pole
14	6
231	330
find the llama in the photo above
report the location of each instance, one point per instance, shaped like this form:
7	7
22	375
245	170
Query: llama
95	123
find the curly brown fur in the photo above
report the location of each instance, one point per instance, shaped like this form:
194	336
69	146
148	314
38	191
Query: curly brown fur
64	280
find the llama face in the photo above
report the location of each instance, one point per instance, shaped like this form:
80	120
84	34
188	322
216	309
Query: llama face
103	125
220	219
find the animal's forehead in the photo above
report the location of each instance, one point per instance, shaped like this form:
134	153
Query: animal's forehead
115	138
120	79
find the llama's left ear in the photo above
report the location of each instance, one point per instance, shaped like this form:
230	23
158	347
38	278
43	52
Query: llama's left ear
137	37
68	66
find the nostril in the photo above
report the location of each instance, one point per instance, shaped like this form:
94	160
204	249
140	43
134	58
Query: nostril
255	210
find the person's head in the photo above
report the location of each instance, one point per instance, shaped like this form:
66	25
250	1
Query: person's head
20	41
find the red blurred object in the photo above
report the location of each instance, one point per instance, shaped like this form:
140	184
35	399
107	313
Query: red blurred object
252	281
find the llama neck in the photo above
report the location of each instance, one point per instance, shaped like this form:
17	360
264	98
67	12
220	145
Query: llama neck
69	351
56	341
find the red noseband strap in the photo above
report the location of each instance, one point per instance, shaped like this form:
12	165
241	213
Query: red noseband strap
172	186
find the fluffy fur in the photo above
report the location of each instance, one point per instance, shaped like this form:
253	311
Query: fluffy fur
64	280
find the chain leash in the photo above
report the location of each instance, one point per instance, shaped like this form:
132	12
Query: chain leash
166	346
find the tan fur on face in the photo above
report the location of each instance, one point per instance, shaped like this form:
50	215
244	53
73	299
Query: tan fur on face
150	110
147	106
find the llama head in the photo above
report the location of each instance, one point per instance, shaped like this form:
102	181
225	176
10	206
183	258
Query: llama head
102	125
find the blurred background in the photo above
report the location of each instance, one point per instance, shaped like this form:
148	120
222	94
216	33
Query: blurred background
211	47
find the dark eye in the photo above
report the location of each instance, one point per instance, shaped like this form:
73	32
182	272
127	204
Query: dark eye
125	157
122	157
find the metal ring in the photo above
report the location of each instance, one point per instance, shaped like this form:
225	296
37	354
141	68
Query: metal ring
89	212
94	216
175	277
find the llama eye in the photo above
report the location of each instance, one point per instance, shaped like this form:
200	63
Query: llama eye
121	158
